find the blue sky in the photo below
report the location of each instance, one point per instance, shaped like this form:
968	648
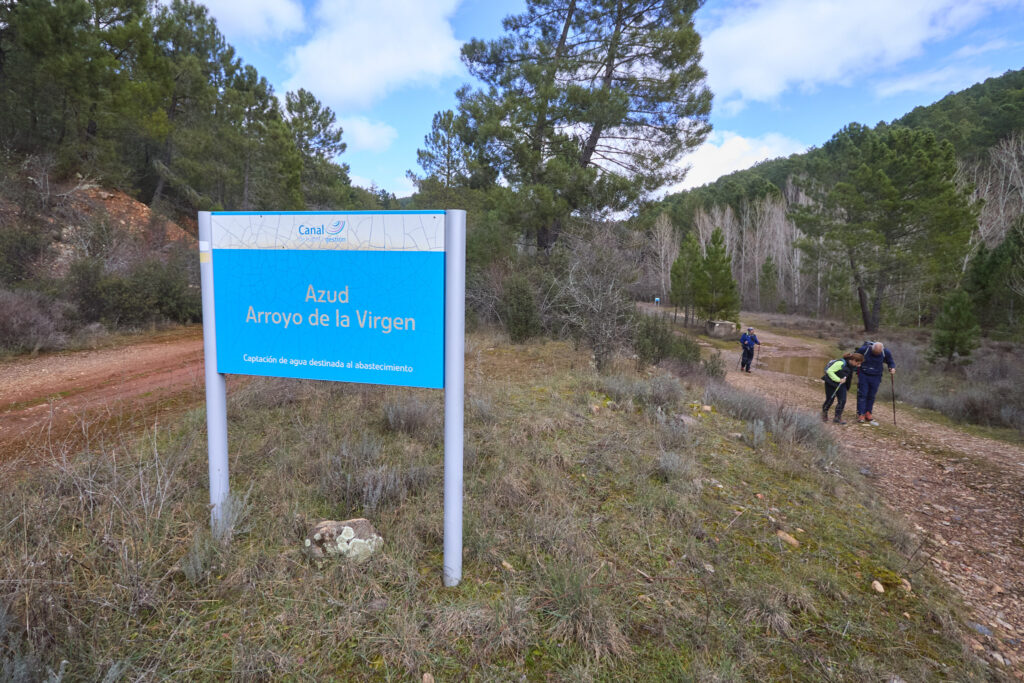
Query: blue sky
786	74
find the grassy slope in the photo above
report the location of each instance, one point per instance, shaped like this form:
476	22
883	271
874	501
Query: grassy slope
604	539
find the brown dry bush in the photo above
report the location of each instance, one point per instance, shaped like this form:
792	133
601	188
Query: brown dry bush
789	426
31	322
85	530
672	466
414	416
261	393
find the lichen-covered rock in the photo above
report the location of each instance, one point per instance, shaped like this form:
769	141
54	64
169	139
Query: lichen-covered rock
353	539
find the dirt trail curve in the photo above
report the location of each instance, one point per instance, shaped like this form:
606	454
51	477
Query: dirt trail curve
961	492
63	398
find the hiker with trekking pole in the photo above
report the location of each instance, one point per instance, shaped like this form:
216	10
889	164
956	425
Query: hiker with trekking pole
838	375
869	378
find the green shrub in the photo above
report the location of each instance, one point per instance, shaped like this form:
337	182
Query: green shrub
83	285
152	291
652	340
166	289
20	247
518	309
714	366
684	349
956	329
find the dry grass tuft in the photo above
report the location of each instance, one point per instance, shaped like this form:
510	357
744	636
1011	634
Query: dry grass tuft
578	610
413	416
672	466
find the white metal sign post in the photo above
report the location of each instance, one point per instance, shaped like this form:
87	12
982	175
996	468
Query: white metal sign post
216	387
356	296
454	394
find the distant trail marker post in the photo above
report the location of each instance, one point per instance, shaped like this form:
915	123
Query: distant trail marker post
351	296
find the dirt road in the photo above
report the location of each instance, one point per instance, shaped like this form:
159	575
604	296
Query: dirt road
62	400
961	493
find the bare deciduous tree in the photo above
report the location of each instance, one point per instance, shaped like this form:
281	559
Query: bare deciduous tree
593	301
999	183
664	246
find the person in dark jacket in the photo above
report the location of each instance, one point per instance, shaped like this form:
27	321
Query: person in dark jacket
869	377
748	340
838	375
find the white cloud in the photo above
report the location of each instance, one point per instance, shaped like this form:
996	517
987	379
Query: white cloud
362	134
401	186
724	152
758	50
945	80
256	18
360	51
360	181
975	50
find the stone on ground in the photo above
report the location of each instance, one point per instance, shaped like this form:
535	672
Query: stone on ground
353	539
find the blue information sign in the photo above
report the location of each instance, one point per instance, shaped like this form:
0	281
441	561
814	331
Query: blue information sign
344	296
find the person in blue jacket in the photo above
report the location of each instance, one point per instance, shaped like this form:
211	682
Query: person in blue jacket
869	377
838	374
748	340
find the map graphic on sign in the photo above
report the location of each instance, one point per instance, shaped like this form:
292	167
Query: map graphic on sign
344	296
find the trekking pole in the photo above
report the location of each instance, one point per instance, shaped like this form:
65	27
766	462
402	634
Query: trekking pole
892	382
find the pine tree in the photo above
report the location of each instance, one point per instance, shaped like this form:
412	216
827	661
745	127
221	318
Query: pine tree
325	182
715	293
956	329
445	159
990	281
888	198
589	104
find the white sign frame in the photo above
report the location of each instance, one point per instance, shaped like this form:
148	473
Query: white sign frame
454	388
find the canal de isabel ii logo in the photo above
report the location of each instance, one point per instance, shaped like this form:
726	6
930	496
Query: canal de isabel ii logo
315	230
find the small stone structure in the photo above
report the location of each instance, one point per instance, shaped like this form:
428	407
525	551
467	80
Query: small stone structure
722	329
353	539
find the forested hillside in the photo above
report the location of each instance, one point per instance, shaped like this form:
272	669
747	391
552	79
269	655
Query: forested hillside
152	100
880	223
146	103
